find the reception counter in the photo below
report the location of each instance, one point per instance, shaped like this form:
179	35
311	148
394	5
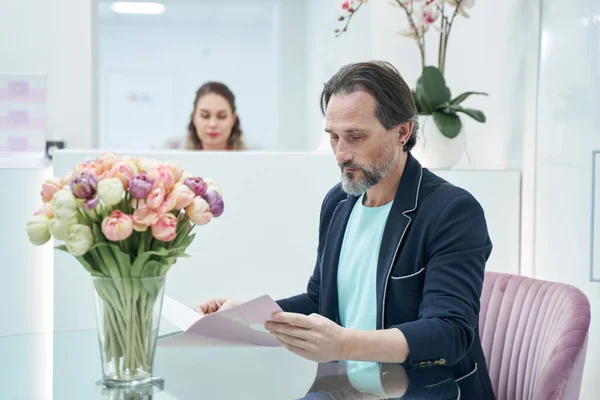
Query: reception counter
265	242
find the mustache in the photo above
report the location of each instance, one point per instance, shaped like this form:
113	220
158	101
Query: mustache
351	165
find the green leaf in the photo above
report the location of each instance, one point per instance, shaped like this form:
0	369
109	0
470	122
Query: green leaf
449	124
420	108
447	108
123	260
421	99
151	269
139	263
187	240
62	247
433	87
462	97
475	114
88	266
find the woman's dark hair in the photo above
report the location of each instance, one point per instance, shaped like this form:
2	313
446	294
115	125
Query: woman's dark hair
235	141
394	100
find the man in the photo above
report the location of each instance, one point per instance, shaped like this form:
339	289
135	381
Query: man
401	253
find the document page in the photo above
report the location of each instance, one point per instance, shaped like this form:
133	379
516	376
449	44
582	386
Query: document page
239	326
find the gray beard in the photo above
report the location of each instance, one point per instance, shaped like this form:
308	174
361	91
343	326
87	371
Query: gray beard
371	174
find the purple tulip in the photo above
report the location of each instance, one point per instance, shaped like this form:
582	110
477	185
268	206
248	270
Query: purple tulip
84	186
211	197
91	203
215	202
197	185
217	208
140	186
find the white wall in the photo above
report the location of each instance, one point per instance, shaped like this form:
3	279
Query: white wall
568	122
55	38
493	51
26	290
169	56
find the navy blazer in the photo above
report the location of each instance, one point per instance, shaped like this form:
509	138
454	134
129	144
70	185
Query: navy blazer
429	274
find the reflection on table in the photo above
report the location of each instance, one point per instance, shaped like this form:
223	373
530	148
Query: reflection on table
231	373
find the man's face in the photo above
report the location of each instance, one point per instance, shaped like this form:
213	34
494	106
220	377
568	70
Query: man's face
364	149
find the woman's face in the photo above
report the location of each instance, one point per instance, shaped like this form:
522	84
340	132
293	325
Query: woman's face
213	119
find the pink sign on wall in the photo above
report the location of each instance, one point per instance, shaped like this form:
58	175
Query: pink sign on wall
22	114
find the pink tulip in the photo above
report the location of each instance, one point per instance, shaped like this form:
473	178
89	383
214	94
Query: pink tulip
161	174
117	226
45	210
91	167
176	171
199	211
50	187
107	160
165	229
180	197
156	197
124	171
145	216
66	180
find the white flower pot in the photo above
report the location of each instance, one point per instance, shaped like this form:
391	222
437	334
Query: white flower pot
433	149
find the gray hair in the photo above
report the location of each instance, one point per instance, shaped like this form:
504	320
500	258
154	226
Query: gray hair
394	100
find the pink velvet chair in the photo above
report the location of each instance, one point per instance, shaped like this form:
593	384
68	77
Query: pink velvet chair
534	336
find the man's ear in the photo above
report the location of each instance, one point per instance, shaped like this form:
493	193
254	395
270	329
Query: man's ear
403	131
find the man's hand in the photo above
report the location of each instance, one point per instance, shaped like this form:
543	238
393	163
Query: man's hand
214	305
313	337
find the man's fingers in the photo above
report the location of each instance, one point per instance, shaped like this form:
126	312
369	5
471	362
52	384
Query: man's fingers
293	319
294	349
292	341
199	310
289	330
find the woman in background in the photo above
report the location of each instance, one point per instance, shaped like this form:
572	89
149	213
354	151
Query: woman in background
214	123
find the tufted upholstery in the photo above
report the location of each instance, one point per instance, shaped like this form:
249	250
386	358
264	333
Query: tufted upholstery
534	336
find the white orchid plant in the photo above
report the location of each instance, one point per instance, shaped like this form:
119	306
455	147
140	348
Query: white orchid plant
431	94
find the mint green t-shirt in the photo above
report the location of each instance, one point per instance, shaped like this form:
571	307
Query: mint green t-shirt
356	283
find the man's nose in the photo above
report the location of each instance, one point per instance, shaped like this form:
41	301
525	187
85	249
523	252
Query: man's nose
342	154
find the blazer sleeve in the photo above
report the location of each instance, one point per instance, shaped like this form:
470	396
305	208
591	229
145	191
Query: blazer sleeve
459	246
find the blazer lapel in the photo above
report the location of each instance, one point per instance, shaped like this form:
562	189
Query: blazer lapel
331	258
398	221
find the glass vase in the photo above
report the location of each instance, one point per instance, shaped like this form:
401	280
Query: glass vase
128	314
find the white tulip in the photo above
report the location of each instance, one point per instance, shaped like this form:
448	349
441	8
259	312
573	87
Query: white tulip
37	229
60	228
110	191
79	240
64	204
211	185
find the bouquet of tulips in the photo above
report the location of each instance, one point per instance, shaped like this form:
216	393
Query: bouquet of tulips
125	219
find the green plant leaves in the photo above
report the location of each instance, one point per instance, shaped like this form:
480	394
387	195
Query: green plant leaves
462	97
475	114
432	97
431	90
449	124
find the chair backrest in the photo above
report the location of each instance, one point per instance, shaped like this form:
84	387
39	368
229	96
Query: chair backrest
534	336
